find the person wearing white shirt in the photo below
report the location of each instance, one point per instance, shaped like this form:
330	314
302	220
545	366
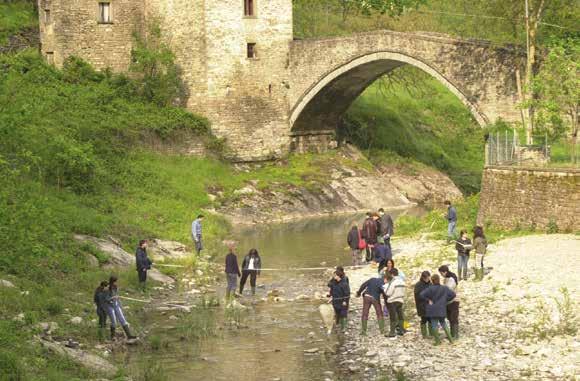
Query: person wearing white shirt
250	268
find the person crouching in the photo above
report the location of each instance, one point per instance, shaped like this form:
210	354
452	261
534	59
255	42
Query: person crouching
340	294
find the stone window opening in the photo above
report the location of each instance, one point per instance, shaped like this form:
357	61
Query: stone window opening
249	8
251	50
50	58
105	16
270	89
47	19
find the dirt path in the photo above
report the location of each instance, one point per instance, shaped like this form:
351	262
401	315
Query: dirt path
503	319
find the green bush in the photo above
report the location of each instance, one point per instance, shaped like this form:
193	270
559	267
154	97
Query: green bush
10	367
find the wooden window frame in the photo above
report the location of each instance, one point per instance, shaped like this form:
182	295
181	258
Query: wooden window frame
251	48
250	9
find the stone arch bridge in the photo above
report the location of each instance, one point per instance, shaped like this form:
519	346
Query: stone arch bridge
327	75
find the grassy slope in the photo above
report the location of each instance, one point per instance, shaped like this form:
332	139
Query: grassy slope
432	127
73	160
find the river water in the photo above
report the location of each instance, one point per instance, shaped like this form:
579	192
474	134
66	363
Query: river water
270	340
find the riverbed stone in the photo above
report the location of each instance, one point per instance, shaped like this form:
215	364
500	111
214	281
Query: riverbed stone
6	283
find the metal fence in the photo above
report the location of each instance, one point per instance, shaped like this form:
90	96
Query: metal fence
504	148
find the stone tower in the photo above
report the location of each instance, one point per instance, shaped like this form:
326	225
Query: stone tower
233	55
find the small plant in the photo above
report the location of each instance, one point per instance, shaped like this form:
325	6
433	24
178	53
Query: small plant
552	227
567	312
10	368
54	307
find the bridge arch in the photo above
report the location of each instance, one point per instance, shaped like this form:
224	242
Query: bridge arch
320	108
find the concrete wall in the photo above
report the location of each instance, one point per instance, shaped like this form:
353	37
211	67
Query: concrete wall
525	197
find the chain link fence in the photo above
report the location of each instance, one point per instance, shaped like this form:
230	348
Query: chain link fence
504	148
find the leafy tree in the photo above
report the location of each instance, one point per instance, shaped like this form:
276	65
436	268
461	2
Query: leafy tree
153	63
557	86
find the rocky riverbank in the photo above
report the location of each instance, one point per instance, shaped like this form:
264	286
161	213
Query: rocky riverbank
520	322
348	184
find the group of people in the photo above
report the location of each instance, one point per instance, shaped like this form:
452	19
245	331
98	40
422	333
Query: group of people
436	297
251	267
374	238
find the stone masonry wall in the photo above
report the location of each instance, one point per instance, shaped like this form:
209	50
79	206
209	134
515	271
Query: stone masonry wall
526	197
74	30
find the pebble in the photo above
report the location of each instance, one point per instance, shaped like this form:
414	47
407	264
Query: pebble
76	320
6	283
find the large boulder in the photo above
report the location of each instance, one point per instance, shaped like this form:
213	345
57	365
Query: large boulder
88	360
160	250
119	257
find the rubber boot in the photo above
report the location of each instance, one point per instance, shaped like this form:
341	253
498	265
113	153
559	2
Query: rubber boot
343	323
424	330
448	334
112	333
435	333
128	333
227	295
364	324
401	330
382	326
253	290
455	331
392	330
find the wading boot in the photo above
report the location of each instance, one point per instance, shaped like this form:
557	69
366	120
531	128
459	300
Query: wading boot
424	329
343	324
382	326
128	333
435	333
363	331
101	333
112	333
455	331
448	334
253	290
392	330
227	295
401	328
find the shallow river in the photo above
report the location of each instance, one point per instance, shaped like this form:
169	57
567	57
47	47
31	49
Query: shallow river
271	343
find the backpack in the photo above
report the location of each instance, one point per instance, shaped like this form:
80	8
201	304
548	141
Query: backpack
362	244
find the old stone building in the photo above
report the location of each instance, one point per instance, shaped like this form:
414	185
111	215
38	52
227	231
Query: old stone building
263	91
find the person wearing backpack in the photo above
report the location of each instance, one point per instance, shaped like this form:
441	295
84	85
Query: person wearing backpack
354	241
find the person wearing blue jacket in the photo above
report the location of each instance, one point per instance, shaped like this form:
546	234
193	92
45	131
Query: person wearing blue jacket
437	297
382	255
339	291
371	291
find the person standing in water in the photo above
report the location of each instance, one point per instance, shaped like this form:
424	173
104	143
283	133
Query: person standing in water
339	291
369	233
353	240
463	247
232	271
115	309
251	266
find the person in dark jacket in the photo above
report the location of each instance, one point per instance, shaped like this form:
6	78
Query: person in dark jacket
382	255
251	266
353	242
339	291
387	227
371	291
463	247
423	283
232	271
450	281
437	297
115	309
143	263
369	233
100	299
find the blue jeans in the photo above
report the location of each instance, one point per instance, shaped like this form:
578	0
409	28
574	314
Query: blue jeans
115	312
436	321
451	229
462	261
232	281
